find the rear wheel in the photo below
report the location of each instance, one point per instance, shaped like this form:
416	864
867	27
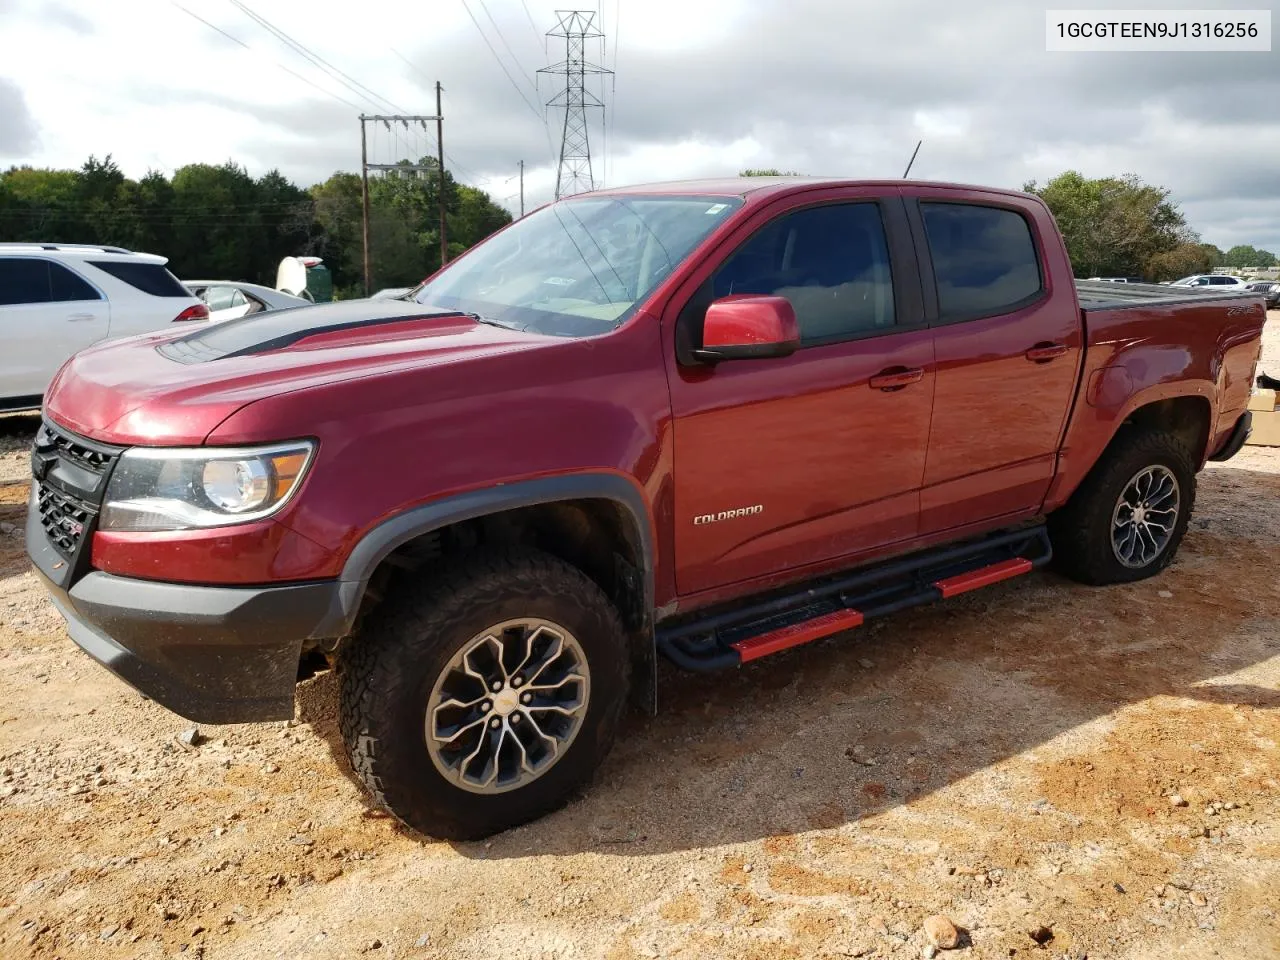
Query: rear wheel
1127	519
487	699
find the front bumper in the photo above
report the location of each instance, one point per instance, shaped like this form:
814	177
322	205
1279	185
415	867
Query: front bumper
209	654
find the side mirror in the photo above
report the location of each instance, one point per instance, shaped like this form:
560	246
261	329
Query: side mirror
748	327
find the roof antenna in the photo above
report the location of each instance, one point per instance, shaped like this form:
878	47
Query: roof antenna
913	159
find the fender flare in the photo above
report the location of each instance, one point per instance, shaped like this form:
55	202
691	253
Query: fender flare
381	540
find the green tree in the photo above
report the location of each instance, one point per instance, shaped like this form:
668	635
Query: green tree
1182	261
218	222
1246	256
1118	226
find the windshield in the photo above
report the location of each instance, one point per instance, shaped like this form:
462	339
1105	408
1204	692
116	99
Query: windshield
578	267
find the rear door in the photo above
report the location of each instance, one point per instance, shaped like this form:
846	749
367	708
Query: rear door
790	462
1008	351
47	313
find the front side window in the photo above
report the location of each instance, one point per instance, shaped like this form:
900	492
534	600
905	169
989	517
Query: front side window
578	267
830	262
984	260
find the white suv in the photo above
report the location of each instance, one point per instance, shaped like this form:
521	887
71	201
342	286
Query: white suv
1216	281
58	298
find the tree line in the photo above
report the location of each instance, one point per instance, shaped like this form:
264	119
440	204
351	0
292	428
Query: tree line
1123	227
218	222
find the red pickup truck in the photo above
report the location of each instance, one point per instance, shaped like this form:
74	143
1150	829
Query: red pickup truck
707	420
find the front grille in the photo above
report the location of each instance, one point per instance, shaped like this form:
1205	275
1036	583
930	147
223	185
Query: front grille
71	475
91	457
65	520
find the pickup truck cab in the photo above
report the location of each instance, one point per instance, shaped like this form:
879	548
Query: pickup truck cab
707	420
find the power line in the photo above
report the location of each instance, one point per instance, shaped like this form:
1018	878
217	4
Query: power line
408	64
515	86
347	81
514	58
537	37
236	40
613	90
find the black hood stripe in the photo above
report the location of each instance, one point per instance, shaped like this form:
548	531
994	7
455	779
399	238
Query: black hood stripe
260	333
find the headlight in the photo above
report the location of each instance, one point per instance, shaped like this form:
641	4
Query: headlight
180	489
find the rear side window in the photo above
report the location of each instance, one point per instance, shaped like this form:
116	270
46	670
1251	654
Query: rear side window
65	286
152	278
23	280
984	259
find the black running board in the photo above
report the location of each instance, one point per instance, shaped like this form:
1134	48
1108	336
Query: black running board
747	633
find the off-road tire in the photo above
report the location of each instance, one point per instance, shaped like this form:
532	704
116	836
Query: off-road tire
389	669
1081	529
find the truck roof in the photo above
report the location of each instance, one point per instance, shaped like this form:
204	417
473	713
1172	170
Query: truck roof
743	186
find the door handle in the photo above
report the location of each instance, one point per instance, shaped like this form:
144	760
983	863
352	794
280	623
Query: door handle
80	316
1044	352
895	378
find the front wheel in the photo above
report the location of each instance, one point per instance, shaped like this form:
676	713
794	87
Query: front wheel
486	699
1128	517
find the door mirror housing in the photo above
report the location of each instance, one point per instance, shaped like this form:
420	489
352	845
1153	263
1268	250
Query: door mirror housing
748	327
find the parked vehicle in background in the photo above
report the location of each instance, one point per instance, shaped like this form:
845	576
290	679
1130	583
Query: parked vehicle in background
882	393
1270	290
228	300
57	298
1117	279
1215	280
305	277
391	293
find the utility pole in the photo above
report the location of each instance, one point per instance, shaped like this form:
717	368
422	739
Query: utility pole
576	27
364	200
522	188
415	167
444	241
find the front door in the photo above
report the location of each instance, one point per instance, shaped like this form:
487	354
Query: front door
782	464
1008	354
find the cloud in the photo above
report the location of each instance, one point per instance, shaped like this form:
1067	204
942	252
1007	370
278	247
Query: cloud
65	16
18	130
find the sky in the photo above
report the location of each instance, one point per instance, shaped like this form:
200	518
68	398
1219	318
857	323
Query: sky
824	87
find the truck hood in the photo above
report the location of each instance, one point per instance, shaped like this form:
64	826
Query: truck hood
175	388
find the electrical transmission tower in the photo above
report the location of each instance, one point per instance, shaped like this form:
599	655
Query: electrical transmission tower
576	27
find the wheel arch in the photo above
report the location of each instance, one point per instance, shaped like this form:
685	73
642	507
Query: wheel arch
1188	412
598	522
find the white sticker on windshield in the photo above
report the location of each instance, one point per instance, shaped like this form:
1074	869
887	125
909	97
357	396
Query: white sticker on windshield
717	208
559	281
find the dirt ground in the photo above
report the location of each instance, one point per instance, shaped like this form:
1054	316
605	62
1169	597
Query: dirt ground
1101	763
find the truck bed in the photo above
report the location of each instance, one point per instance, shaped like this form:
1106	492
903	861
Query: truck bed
1100	295
1210	337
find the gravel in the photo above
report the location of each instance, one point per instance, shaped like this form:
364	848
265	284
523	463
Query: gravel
1029	741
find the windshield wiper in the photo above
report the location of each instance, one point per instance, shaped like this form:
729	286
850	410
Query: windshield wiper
489	320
